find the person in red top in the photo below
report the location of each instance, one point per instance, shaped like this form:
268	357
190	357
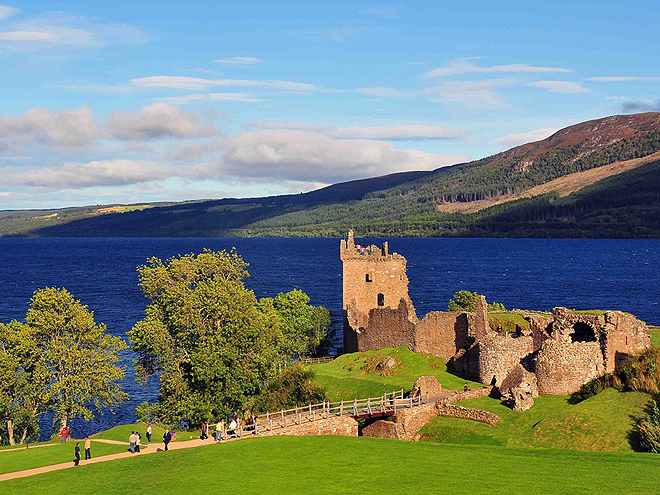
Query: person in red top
63	434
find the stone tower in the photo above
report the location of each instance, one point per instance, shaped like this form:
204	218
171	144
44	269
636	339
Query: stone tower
372	278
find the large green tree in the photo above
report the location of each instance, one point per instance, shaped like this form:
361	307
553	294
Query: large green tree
81	357
211	342
60	360
23	383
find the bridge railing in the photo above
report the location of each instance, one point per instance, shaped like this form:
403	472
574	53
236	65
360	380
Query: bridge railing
382	405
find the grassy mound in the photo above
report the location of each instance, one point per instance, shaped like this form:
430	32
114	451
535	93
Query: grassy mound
361	374
602	422
354	465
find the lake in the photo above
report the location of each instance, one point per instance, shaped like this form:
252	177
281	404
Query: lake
521	273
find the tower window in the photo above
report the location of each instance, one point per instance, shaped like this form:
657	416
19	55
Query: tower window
381	300
369	277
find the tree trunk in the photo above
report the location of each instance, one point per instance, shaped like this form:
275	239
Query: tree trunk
63	421
23	436
10	431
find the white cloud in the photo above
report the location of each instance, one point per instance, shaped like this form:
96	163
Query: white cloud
380	91
94	173
71	128
156	121
197	83
311	156
622	78
472	94
512	140
201	97
399	132
464	66
7	11
239	60
193	151
561	87
390	133
28	36
55	29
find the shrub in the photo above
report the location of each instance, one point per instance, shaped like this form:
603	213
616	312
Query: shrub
293	387
649	428
591	388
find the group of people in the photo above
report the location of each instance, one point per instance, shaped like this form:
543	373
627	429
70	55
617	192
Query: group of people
65	433
76	451
134	442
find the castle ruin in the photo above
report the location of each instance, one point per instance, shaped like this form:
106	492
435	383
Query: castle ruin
555	356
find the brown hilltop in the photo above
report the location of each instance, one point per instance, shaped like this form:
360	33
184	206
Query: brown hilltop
598	133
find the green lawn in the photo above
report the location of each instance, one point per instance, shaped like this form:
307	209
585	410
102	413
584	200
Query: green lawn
45	456
355	465
602	422
655	335
351	375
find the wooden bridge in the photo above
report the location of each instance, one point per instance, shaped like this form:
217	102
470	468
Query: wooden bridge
371	407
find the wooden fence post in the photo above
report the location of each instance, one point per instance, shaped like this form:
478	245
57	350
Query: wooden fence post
341	408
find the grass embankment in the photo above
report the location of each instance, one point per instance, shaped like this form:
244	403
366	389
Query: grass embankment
23	458
655	335
357	374
602	422
354	465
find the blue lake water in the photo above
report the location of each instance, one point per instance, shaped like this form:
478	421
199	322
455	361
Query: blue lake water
527	274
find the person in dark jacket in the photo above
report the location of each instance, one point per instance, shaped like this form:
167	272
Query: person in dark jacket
167	437
77	452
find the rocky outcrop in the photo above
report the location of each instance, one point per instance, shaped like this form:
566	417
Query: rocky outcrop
519	389
428	385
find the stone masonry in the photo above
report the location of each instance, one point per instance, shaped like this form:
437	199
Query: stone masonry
562	351
339	425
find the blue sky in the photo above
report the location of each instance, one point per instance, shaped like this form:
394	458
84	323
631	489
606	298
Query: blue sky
136	102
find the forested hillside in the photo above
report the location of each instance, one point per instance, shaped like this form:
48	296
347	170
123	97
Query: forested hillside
623	202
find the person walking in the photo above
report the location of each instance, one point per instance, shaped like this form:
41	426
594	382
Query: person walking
131	442
68	433
218	431
63	434
167	437
205	427
88	448
137	441
149	434
77	452
465	387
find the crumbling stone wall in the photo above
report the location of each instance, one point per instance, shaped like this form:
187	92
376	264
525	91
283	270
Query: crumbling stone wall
428	385
470	393
563	367
387	328
442	334
498	355
460	412
624	335
338	425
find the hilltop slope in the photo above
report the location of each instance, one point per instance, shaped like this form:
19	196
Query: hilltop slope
593	179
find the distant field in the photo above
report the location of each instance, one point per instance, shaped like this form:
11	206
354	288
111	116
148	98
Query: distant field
354	465
602	422
354	375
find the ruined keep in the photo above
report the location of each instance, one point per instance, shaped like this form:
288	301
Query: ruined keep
556	355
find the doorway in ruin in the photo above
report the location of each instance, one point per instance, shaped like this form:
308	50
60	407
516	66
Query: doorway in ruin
582	332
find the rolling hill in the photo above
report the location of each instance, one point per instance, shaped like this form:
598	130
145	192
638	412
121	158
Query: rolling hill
594	179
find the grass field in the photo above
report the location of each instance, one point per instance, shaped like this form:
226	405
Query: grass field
45	456
353	375
354	465
602	423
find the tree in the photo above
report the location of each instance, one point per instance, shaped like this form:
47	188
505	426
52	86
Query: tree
79	356
304	328
23	383
464	300
211	342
